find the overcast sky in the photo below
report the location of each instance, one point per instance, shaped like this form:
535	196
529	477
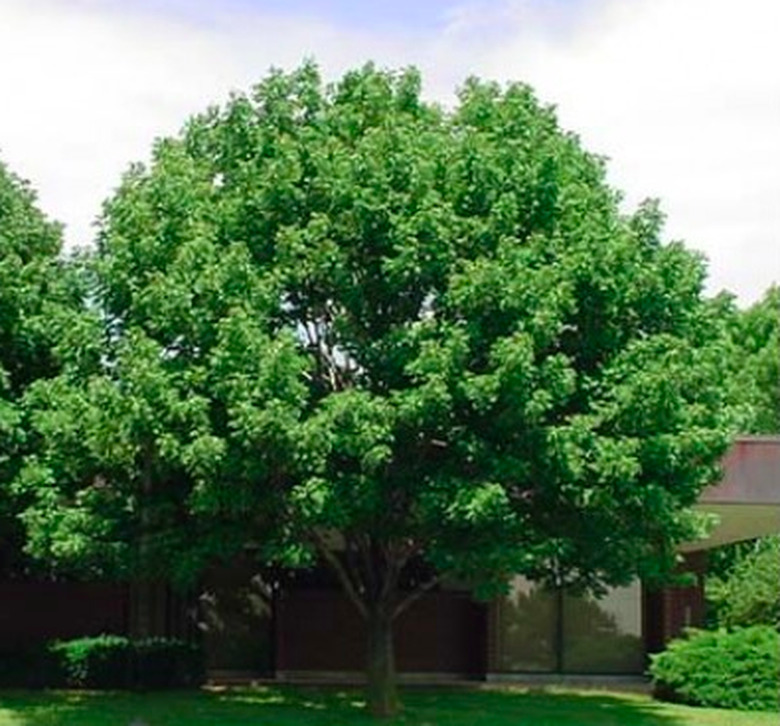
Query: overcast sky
683	96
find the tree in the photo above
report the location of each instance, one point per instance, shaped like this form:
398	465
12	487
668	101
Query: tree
345	323
743	578
28	247
34	294
748	592
755	361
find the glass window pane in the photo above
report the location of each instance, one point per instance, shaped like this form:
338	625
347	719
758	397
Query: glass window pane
526	629
605	635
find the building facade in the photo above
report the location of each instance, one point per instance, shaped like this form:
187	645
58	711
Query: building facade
300	625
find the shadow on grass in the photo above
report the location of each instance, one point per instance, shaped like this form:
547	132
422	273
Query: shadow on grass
287	706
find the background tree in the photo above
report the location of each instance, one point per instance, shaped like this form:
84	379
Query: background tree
753	359
344	323
757	338
35	292
743	579
748	591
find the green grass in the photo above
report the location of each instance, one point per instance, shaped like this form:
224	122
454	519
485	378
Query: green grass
275	706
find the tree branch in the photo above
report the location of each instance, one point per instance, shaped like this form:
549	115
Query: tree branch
332	559
415	595
364	548
353	563
394	565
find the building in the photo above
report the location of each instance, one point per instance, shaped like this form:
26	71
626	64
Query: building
306	628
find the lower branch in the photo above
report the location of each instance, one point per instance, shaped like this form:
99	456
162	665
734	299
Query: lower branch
415	595
338	567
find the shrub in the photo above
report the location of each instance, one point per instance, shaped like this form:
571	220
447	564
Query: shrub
106	661
738	669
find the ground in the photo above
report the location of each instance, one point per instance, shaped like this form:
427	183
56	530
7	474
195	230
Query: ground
276	706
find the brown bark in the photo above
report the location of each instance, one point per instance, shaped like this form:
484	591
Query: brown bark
143	590
369	572
382	690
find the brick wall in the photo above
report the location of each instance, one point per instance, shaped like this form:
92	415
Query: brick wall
34	612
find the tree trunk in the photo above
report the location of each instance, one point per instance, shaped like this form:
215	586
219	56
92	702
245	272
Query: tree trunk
382	683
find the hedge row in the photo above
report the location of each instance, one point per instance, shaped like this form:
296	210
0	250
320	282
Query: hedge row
105	662
737	669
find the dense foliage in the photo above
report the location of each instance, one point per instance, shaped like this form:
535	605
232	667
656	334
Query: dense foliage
753	357
100	662
743	579
749	591
104	662
738	669
35	295
339	321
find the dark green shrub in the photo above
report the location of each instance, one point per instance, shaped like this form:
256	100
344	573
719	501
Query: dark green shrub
113	661
25	667
737	669
105	661
163	663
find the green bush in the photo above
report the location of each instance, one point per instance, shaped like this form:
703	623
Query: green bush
105	661
738	669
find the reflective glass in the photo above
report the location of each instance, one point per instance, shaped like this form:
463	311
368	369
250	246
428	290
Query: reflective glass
605	635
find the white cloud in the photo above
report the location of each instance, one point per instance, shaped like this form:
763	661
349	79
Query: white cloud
682	95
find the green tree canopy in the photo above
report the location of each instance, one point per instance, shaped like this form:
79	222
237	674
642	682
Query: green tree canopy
748	591
340	321
743	584
755	361
33	289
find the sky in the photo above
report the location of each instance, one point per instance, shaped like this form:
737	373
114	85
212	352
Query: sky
682	96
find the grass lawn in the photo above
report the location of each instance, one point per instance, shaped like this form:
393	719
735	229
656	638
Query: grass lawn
275	706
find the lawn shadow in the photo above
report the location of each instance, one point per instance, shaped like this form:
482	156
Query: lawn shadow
536	707
296	706
225	707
